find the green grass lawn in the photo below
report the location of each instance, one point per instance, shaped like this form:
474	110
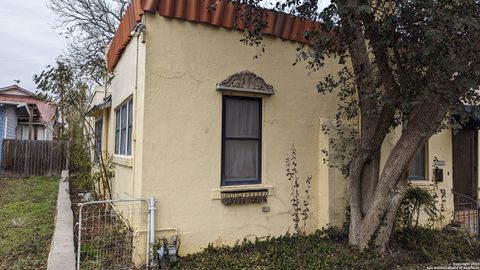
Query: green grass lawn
27	211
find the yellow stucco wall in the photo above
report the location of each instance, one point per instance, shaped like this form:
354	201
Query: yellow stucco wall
176	148
128	82
182	135
440	147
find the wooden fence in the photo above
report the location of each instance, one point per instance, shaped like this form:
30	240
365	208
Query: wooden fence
24	158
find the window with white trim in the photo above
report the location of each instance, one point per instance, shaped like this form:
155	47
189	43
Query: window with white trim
123	128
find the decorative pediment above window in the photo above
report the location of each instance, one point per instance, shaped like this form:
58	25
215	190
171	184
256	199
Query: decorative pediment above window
246	82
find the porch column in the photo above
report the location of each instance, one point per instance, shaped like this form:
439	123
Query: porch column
30	121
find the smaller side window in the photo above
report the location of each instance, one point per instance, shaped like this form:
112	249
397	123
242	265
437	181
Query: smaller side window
117	132
129	128
123	128
417	169
98	140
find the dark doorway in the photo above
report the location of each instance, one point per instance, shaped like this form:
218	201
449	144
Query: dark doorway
465	158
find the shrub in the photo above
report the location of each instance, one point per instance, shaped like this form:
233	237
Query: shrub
418	201
328	248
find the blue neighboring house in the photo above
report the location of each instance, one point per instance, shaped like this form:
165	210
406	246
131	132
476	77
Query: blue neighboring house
23	116
8	120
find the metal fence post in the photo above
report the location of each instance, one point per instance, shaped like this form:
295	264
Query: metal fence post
79	240
148	263
151	232
152	221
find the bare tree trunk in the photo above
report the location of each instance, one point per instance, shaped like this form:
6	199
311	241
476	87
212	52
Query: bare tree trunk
386	229
369	181
374	209
356	215
375	196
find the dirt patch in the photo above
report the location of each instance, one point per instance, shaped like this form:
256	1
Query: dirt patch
75	198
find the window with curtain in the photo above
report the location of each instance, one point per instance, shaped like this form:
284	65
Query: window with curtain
123	129
241	141
98	140
417	169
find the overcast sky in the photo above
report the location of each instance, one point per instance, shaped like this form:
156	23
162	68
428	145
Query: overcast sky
28	41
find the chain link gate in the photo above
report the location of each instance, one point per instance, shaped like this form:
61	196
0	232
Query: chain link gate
115	234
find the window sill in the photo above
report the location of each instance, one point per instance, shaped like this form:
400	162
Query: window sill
217	192
125	161
421	183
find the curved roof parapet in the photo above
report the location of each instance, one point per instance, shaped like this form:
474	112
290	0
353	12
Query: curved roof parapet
279	24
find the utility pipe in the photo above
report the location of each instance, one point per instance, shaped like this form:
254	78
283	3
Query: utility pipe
152	208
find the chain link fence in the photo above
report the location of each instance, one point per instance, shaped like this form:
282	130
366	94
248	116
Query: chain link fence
113	235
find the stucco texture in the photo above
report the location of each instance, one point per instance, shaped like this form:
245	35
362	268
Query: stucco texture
128	83
182	135
171	71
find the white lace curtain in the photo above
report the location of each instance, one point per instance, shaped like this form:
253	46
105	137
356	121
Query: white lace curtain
242	134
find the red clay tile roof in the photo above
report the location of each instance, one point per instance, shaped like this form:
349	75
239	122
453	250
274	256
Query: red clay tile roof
279	24
132	16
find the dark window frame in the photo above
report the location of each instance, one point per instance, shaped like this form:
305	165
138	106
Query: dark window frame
98	140
258	180
425	163
425	156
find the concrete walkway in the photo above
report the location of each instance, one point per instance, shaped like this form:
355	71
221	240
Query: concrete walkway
62	253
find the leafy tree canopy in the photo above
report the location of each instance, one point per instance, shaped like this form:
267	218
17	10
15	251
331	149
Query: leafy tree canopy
418	58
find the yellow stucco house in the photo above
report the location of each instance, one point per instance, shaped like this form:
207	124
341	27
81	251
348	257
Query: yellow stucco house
192	117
